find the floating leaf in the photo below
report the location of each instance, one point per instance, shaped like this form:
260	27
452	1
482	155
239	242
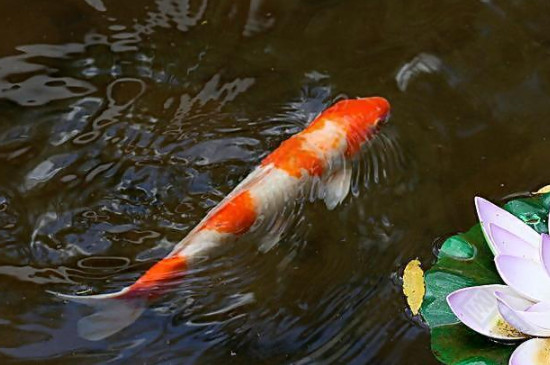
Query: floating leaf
413	285
465	260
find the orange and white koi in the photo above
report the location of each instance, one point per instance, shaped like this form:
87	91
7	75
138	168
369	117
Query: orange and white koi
317	155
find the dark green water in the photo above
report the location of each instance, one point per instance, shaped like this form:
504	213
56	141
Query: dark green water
122	122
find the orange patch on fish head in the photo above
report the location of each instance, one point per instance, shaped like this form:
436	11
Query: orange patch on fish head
294	158
236	216
360	118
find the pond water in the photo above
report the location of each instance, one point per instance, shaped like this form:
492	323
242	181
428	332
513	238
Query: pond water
123	122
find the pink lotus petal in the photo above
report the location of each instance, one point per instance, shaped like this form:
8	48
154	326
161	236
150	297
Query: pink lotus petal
538	314
545	252
488	213
515	300
540	307
512	308
476	307
526	277
541	318
507	243
536	351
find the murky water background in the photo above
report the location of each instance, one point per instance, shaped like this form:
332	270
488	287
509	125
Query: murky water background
123	122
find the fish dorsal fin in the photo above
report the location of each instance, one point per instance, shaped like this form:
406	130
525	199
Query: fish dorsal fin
336	186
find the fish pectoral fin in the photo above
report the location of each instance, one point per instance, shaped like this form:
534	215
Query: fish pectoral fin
336	187
269	241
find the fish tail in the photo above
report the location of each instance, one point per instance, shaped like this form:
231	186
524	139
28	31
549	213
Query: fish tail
114	312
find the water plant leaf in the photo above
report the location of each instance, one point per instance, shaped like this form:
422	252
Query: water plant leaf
465	260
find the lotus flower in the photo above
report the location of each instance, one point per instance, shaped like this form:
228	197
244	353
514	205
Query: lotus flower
519	310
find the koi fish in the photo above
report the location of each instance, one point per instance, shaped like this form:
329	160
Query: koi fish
317	156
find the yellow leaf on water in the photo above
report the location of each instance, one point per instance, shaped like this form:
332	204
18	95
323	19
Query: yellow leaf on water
413	285
544	190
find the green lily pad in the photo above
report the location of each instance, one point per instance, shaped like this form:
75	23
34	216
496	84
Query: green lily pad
465	260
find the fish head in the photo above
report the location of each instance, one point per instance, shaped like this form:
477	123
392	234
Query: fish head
359	118
363	113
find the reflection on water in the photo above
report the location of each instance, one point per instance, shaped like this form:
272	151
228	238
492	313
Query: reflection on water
123	122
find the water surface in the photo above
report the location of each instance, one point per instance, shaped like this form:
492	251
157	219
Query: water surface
123	122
